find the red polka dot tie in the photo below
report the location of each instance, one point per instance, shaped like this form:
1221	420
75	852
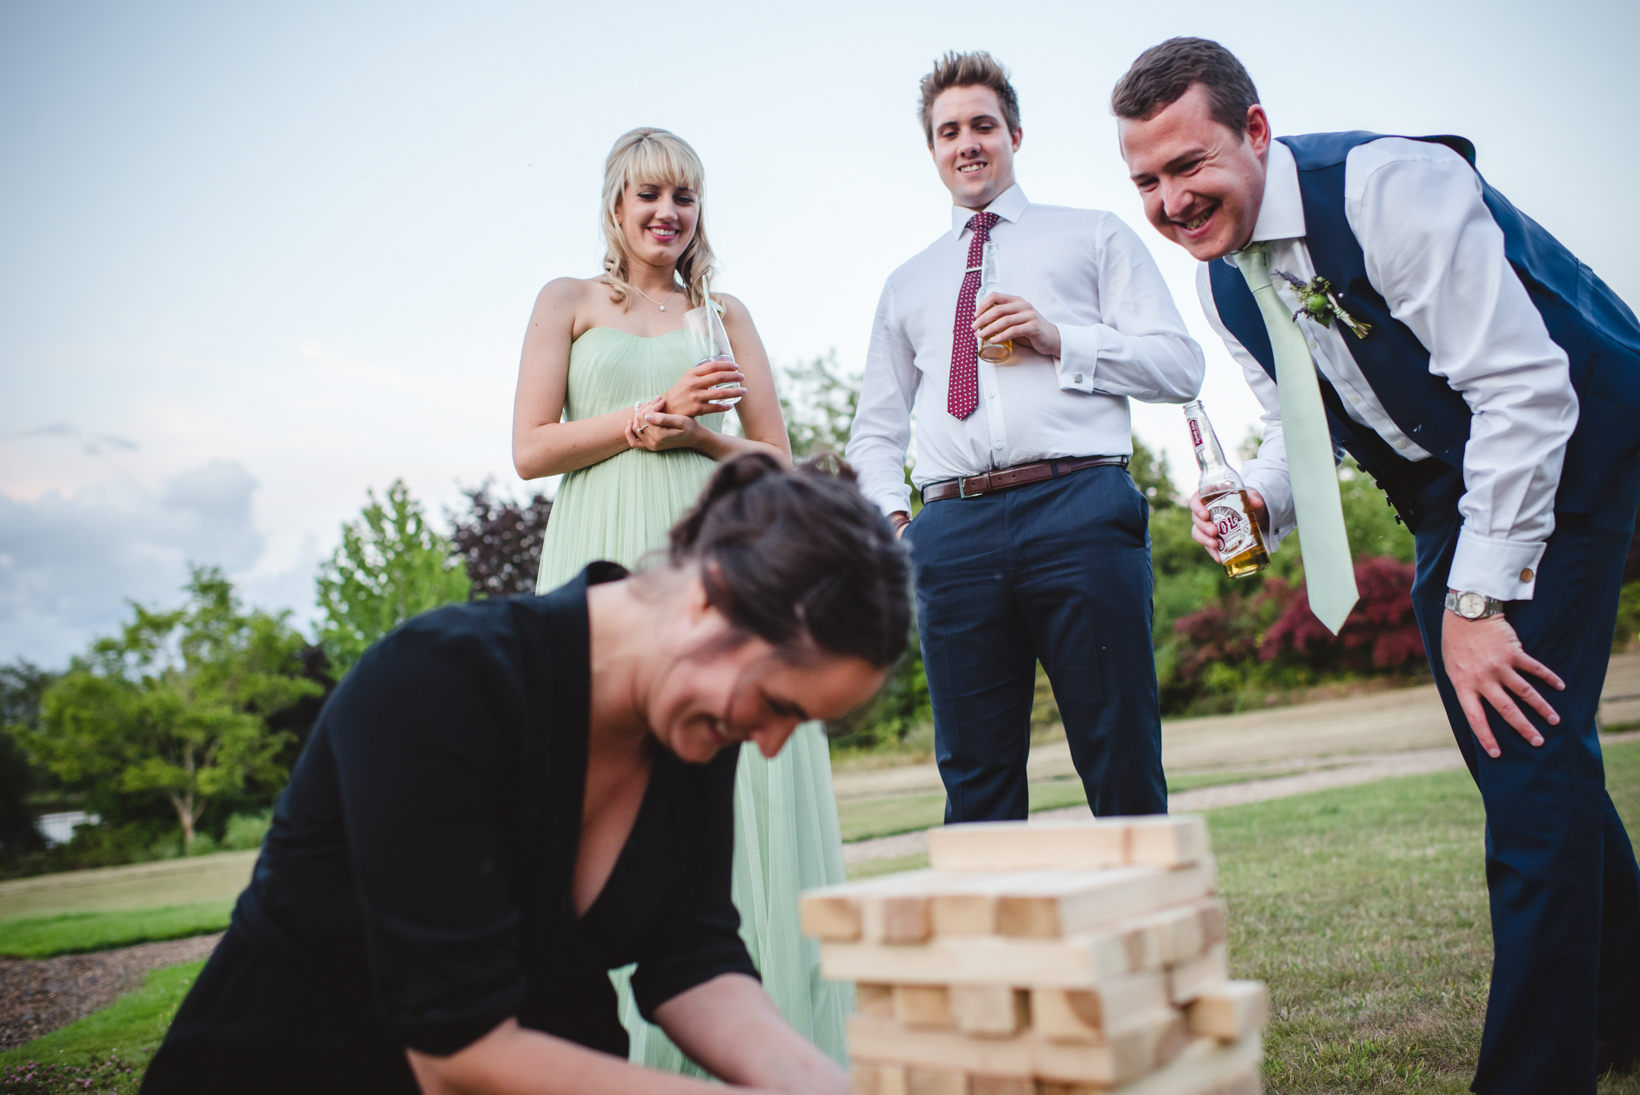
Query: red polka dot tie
962	395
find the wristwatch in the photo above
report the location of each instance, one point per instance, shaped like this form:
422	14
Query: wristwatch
1473	606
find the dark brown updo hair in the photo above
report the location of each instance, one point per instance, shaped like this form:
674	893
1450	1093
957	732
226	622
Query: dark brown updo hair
800	554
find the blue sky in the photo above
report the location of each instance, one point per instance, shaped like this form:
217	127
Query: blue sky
256	258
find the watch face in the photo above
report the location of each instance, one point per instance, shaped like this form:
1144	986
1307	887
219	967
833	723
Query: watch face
1471	605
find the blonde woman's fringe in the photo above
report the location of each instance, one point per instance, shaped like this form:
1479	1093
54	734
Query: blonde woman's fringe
649	155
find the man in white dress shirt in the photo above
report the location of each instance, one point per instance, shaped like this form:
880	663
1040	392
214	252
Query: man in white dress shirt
1033	542
1491	384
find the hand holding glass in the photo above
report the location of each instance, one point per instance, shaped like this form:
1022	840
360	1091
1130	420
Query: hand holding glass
708	341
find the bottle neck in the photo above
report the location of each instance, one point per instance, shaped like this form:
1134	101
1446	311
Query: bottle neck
1209	455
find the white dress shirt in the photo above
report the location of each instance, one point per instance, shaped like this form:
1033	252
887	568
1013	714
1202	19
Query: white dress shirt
1435	254
1120	336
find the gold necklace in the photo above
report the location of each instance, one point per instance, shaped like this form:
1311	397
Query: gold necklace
655	302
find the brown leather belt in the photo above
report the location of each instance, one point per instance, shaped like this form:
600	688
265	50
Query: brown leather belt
1016	476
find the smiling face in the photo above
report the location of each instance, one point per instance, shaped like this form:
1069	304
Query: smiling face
657	222
1202	183
972	146
722	692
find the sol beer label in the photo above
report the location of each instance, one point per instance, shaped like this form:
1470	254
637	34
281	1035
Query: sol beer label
1235	529
1195	433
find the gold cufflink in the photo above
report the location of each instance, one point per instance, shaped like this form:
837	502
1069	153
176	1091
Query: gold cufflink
1526	575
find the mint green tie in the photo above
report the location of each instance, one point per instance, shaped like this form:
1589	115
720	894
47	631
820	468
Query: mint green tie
1326	546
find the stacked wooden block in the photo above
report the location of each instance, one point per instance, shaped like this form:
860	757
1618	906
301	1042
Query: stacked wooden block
1044	959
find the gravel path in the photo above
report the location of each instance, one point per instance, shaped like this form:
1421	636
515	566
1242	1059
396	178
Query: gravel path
38	996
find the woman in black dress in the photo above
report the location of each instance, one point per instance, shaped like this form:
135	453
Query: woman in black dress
506	799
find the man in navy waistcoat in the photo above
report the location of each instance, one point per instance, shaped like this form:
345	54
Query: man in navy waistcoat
1493	391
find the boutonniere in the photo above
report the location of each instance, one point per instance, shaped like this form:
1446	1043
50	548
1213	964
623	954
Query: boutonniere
1321	305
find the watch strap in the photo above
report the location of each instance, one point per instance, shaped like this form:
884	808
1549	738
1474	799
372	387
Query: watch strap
1492	607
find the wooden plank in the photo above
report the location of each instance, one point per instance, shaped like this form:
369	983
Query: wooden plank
1025	846
832	913
880	1041
1072	903
1231	1011
1167	840
1192	979
874	999
1000	1085
878	1079
1087	1016
936	1081
1204	1067
1215	922
923	1006
990	1011
1074	962
1146	1045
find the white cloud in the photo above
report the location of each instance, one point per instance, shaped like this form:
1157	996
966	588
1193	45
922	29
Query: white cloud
69	563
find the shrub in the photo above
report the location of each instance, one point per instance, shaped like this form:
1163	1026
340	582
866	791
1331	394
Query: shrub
245	831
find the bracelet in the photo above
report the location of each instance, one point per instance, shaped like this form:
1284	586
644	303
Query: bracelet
635	408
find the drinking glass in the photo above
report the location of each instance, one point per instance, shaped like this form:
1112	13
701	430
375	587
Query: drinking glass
708	341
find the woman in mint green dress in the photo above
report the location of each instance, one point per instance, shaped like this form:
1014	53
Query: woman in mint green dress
610	397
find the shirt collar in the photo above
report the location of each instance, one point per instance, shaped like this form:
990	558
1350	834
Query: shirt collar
1009	205
1281	215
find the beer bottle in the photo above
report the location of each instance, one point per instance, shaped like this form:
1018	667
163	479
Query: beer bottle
1225	496
990	281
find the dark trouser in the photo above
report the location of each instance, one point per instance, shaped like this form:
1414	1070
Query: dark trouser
1564	887
1057	571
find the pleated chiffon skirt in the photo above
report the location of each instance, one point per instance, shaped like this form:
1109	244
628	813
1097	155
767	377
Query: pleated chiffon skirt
787	837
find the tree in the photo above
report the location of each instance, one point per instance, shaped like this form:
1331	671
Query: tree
390	566
1150	475
176	705
819	402
22	684
500	542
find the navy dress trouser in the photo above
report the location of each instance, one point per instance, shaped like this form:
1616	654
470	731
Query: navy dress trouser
1564	888
1056	571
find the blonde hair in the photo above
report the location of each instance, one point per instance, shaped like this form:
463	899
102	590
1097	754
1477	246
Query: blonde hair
649	155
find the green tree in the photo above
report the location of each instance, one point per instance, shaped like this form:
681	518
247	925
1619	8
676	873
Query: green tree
176	705
22	684
1150	475
818	401
390	565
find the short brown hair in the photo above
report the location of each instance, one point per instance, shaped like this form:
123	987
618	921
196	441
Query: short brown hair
977	69
1164	73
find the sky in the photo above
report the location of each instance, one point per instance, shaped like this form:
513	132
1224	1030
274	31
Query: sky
257	259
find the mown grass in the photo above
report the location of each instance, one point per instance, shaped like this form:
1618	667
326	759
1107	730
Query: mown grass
79	933
130	1030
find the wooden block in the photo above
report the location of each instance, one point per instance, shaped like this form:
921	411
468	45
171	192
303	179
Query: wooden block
1215	922
990	1011
870	1079
880	1041
922	1006
1075	962
1164	840
1067	903
1138	1050
1088	1016
1203	1068
936	1081
831	917
1000	1085
1190	980
1231	1011
874	999
1027	846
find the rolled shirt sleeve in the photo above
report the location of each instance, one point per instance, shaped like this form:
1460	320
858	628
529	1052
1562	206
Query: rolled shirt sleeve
1141	349
1437	256
881	432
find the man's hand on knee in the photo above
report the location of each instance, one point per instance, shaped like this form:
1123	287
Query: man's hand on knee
1485	660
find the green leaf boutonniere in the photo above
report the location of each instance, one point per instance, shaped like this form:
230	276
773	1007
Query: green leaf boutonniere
1321	305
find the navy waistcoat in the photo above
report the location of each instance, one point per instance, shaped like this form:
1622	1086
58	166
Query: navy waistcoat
1597	330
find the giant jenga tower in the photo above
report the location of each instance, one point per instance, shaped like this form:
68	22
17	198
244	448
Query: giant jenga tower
1044	959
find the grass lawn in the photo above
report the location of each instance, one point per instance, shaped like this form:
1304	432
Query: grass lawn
1363	909
78	933
129	1030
